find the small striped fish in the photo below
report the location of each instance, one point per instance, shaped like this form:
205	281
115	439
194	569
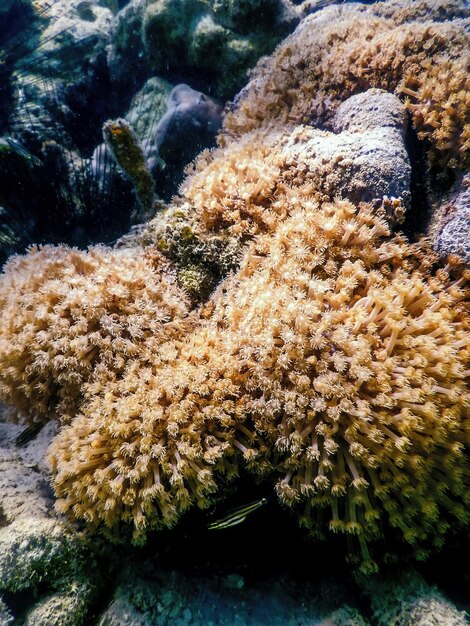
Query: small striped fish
9	145
28	433
237	516
42	5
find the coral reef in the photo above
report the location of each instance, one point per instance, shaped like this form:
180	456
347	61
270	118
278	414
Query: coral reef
330	367
140	590
345	50
228	191
439	102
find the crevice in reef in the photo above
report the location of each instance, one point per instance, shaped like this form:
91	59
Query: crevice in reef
419	212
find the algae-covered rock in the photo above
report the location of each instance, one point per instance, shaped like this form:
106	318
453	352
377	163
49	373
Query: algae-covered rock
33	550
201	258
147	107
345	616
39	553
126	54
75	32
62	609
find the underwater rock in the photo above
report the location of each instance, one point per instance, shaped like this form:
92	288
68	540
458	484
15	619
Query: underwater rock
147	108
374	108
450	230
172	598
345	616
59	72
367	160
62	609
189	125
57	80
407	600
33	545
201	37
37	550
126	54
76	32
24	483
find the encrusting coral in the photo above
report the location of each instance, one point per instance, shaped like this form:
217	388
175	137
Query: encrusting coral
346	50
68	314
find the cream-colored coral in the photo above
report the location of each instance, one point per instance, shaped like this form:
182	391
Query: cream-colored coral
346	50
439	101
232	188
69	316
334	363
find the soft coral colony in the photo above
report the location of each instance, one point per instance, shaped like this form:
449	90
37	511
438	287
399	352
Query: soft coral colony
332	365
